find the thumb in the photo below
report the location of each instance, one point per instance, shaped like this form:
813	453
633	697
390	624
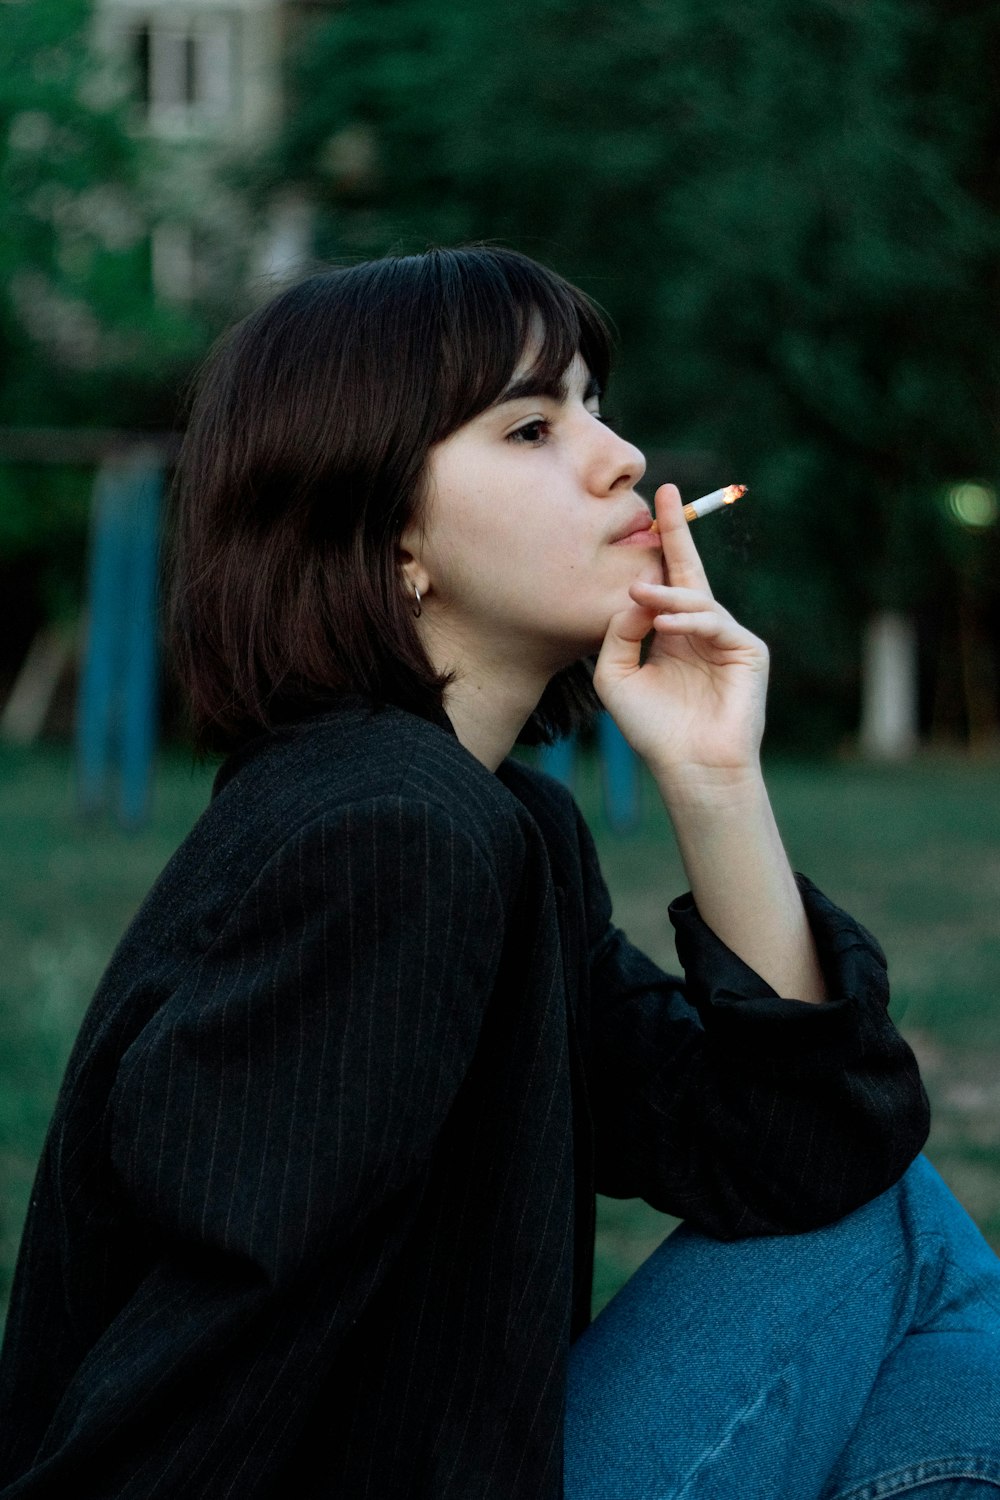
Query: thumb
620	652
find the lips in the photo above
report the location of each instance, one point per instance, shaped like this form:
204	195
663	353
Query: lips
637	527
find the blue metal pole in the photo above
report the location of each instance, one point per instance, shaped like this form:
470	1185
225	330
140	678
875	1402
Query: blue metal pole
619	775
96	704
558	760
139	685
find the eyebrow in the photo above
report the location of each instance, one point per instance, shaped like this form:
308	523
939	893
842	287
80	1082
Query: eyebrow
554	390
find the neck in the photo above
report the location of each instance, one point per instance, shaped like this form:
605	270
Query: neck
489	714
496	689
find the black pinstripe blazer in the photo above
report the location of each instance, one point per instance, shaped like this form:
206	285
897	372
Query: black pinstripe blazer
315	1213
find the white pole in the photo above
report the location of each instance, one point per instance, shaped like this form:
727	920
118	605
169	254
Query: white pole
889	725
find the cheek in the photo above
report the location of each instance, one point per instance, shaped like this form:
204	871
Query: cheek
485	533
504	571
498	537
466	520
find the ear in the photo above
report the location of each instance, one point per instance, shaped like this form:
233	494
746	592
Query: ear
415	575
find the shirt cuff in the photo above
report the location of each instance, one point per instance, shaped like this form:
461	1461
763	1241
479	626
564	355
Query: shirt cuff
742	1009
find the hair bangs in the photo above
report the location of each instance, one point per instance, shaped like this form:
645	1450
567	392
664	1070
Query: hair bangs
494	307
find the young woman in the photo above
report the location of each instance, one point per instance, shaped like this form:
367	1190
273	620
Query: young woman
315	1215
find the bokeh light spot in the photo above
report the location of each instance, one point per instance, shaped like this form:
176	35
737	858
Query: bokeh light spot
973	505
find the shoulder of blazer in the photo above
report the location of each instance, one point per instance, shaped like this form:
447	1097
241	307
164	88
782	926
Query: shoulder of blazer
293	798
355	753
317	770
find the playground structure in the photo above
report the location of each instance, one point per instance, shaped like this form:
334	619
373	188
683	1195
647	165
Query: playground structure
115	720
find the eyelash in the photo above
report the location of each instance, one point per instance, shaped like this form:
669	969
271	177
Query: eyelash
517	436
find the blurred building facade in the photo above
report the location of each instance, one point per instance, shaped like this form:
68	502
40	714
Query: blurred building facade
205	85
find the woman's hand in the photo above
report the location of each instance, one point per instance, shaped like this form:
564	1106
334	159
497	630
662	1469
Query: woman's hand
694	711
695	707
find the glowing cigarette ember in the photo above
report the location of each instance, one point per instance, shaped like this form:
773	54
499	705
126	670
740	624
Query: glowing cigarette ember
707	503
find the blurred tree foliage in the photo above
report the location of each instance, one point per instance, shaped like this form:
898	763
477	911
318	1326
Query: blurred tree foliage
83	341
790	210
82	338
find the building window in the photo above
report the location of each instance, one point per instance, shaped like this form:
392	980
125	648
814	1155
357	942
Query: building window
184	69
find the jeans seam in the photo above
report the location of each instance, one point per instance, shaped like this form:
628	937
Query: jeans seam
913	1477
738	1421
969	1280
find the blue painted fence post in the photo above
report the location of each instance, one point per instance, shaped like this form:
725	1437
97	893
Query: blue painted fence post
97	694
619	771
558	760
116	710
619	775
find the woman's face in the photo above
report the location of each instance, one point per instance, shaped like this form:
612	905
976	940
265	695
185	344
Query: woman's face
519	536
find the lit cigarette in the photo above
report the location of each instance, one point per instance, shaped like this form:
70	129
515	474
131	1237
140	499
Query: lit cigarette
707	503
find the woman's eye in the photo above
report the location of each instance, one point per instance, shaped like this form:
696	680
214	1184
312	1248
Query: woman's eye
531	432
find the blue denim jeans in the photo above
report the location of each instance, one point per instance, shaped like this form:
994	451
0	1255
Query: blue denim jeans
855	1362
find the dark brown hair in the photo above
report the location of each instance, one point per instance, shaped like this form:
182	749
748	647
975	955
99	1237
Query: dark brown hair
302	465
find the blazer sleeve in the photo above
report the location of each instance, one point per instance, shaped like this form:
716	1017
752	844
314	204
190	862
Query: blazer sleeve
723	1104
269	1127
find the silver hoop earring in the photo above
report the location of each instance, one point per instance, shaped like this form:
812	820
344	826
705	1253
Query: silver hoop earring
419	609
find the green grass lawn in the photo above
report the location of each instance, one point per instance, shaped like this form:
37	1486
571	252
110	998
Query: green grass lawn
914	852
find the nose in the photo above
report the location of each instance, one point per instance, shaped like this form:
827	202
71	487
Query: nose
616	464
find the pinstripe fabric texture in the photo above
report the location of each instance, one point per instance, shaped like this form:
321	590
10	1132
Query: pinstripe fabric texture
315	1213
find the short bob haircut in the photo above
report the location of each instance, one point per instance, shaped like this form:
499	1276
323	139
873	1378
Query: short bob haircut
303	463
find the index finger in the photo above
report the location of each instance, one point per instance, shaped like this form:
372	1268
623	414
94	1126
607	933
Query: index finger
684	566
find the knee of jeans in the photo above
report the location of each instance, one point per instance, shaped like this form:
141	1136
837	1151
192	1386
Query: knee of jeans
929	1208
